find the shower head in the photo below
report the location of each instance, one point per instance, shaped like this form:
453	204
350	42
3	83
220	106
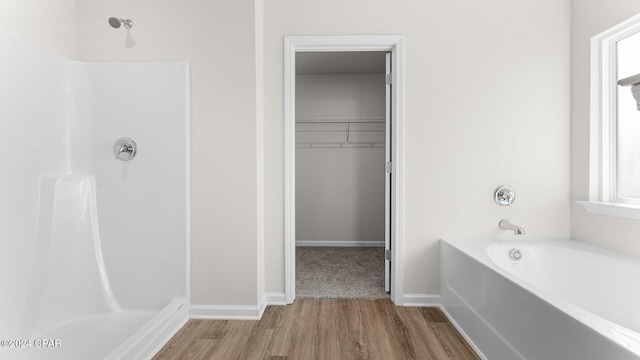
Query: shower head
115	23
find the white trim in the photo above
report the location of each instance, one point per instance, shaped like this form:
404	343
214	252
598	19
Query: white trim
602	164
227	312
235	312
188	180
387	176
397	240
421	300
275	299
343	43
393	43
289	171
628	211
262	306
330	243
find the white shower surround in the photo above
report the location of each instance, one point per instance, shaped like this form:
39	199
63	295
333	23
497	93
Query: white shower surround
94	250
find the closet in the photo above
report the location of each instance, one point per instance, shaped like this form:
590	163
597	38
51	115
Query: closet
340	155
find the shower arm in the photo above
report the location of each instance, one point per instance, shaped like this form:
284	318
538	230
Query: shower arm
116	23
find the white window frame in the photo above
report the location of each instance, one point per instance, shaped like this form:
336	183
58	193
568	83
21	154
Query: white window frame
603	198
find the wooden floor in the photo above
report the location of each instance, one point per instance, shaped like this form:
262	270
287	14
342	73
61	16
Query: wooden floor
326	330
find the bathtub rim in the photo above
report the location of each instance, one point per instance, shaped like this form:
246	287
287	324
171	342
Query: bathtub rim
479	244
476	249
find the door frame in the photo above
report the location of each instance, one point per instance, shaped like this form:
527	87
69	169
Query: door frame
395	45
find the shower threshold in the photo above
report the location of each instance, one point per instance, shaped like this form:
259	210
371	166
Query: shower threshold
122	335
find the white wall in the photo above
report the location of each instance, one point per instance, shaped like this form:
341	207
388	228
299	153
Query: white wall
340	194
220	41
453	121
487	95
590	18
487	103
50	24
340	95
339	190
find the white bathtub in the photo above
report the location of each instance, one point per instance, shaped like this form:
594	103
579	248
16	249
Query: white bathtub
563	299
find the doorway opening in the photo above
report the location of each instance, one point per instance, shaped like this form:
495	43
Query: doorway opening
341	124
343	165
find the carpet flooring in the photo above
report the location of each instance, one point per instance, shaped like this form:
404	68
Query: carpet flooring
340	273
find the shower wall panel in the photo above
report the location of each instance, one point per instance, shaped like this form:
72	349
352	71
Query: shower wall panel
59	120
142	202
34	137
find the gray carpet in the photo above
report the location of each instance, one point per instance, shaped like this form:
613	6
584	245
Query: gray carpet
340	273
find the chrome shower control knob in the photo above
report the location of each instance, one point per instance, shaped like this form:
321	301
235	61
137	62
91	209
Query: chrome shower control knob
504	195
125	149
515	254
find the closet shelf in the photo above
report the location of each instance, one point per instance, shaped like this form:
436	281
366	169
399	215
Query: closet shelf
341	131
341	120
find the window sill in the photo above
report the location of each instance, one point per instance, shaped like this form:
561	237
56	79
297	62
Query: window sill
627	211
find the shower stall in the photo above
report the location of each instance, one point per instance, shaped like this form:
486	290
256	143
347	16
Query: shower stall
93	242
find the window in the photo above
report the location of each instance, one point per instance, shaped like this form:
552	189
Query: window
615	187
626	187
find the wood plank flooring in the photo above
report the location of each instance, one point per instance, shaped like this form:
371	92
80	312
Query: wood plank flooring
324	330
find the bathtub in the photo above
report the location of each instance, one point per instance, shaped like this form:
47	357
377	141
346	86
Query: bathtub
548	299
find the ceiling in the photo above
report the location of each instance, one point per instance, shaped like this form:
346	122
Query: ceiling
359	62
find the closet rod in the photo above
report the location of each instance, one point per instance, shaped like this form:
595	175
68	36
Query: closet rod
358	120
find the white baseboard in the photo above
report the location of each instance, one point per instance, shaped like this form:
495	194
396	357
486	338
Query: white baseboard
226	312
275	299
236	312
421	300
340	243
249	312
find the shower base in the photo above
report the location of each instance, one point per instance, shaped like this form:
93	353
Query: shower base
124	335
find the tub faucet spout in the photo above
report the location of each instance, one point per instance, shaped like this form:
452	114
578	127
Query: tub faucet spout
507	225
